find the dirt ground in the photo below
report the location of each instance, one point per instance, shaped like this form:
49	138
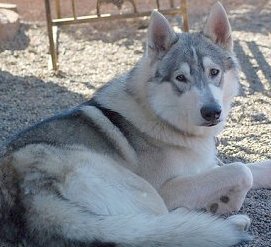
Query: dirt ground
90	55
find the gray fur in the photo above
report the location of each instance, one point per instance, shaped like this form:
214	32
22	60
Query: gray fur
94	176
190	49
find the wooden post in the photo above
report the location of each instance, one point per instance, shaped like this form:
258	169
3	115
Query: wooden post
52	48
158	4
184	15
98	7
58	9
73	10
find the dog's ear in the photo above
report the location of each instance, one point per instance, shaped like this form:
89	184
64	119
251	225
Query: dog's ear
218	27
160	35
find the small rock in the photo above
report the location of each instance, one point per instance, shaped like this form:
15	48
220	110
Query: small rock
9	24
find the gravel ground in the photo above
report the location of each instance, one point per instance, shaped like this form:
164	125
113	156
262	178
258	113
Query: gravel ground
91	55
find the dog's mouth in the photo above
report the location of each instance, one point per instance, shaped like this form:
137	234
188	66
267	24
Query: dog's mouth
211	123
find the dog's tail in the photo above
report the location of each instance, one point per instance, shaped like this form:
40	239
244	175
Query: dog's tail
176	229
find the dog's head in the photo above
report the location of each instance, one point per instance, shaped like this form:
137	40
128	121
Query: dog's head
194	76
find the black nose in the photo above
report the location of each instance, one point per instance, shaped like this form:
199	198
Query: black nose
211	112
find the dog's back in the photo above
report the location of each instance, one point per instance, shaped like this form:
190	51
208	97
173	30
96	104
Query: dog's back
71	127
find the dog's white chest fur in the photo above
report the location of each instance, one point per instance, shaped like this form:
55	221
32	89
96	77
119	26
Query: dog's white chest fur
167	163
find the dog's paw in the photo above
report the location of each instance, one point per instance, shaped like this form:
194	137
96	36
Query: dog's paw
241	221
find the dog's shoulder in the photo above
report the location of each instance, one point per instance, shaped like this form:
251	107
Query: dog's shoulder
68	127
89	125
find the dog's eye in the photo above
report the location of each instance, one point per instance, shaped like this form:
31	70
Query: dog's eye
181	78
214	72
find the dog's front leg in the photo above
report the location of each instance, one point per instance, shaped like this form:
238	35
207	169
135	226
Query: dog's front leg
261	172
220	190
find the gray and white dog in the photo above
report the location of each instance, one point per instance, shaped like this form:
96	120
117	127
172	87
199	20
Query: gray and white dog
134	165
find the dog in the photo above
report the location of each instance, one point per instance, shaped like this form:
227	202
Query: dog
136	164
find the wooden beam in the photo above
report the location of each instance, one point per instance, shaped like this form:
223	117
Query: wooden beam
9	6
95	18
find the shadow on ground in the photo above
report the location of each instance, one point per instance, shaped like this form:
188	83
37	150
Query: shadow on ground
26	100
255	83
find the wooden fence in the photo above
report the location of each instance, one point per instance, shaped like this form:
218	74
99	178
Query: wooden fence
54	23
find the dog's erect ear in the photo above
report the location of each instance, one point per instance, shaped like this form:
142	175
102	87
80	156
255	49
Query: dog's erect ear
218	27
161	36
